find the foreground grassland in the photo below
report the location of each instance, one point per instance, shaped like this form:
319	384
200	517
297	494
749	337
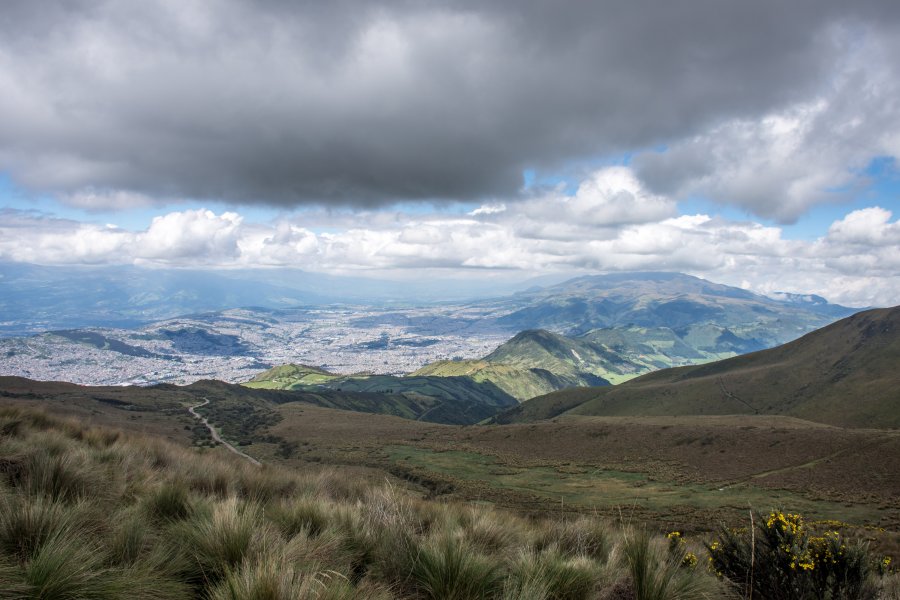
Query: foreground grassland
95	513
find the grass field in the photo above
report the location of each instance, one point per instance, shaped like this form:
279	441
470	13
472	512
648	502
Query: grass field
692	473
687	473
88	512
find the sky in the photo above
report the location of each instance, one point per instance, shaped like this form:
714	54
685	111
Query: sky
750	143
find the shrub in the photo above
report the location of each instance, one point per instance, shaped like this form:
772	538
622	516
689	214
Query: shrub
782	560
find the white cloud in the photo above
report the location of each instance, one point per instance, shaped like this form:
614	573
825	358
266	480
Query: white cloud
192	236
488	209
869	227
611	224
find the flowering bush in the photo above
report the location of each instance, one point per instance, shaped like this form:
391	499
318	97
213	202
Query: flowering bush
781	559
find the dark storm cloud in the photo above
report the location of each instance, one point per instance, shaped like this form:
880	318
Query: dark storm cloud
369	102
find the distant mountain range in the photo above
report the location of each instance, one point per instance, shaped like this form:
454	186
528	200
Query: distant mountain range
587	331
671	300
845	374
35	298
645	322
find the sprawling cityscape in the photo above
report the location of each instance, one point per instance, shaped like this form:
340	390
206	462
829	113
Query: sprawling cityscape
234	345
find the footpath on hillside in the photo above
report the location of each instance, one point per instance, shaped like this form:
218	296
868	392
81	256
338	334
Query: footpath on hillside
215	434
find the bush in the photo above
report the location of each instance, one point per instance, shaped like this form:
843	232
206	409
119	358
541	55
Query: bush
781	560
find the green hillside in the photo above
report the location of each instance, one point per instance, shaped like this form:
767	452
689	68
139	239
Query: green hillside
455	399
560	355
537	362
521	383
244	410
284	376
845	374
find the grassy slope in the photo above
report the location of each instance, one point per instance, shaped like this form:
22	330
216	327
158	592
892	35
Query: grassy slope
92	513
519	382
668	472
453	399
449	401
283	377
844	374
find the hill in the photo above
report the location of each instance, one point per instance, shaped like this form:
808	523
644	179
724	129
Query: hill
671	300
242	411
454	399
616	327
844	374
521	383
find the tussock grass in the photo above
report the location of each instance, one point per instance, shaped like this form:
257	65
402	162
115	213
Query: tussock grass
26	524
309	515
169	502
448	568
657	574
92	513
220	539
581	536
68	566
553	576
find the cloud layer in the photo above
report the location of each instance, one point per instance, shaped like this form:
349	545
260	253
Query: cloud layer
112	104
612	223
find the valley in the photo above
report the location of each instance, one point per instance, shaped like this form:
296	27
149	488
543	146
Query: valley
439	398
583	332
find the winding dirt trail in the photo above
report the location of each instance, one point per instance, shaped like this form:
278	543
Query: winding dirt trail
215	434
